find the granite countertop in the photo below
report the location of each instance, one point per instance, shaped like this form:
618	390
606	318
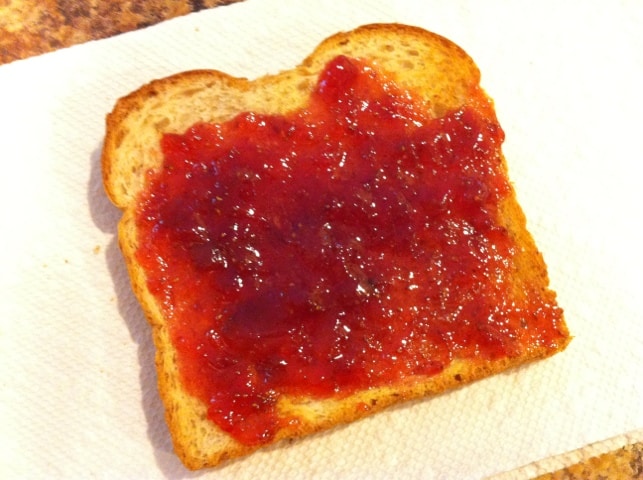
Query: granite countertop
32	27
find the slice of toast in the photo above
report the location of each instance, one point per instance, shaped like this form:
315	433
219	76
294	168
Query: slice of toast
430	66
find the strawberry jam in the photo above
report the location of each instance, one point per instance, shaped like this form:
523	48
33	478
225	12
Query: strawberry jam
343	246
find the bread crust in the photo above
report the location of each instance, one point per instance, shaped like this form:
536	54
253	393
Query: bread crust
426	63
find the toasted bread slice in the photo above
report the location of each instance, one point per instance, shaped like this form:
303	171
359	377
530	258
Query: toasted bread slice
425	63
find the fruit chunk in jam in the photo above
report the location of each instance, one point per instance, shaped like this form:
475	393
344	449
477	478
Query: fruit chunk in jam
343	246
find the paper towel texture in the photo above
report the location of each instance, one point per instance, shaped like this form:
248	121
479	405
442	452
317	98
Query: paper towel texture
78	394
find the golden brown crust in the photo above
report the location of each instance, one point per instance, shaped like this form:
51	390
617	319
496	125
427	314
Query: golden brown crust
419	60
33	27
426	63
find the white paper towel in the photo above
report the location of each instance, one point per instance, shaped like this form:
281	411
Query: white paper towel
78	395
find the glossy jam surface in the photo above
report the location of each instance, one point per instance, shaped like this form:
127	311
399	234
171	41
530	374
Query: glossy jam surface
343	246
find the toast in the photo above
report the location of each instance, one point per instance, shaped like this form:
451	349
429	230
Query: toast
438	72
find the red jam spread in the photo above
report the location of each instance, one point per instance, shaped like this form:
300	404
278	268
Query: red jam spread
346	245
